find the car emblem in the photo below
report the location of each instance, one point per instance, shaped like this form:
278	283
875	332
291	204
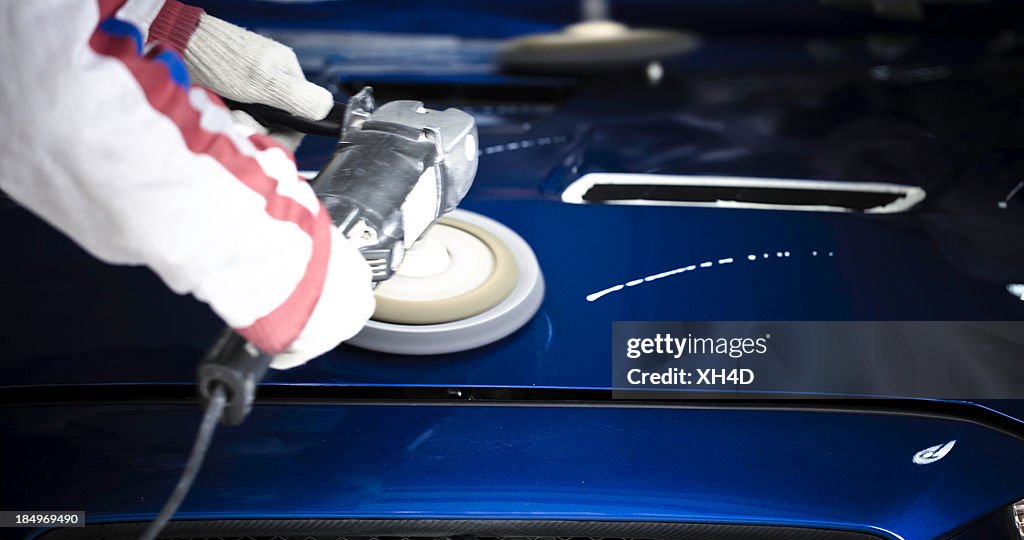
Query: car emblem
933	453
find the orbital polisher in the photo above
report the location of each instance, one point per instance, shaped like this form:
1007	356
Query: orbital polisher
467	281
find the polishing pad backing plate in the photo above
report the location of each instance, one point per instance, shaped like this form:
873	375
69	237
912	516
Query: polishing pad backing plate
511	295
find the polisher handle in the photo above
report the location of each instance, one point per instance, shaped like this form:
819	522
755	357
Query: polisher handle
237	367
330	126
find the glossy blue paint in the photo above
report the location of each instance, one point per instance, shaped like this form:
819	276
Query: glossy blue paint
949	259
506	18
848	471
69	319
877	272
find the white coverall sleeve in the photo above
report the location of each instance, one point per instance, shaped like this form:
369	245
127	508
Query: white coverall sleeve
111	144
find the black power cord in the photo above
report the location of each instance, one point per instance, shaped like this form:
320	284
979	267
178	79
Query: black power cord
228	376
214	409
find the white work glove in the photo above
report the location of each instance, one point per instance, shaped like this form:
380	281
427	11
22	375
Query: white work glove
238	65
345	303
244	66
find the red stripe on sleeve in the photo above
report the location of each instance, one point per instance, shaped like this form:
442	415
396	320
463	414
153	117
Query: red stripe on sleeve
275	331
174	25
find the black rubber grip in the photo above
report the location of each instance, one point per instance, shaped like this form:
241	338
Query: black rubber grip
236	366
269	116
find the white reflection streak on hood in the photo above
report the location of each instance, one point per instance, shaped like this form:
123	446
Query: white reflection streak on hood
751	258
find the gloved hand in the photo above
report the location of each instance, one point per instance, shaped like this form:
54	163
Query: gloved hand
245	66
241	65
346	303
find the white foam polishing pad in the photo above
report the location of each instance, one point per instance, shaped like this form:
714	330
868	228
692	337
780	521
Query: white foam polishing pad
455	271
467	282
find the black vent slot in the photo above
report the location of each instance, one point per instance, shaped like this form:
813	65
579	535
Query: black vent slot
742	192
853	200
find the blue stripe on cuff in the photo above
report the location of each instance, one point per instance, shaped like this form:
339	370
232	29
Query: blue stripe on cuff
175	66
117	27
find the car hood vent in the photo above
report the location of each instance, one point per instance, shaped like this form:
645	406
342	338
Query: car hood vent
742	192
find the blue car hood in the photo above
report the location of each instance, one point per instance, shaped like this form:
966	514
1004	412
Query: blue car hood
355	439
71	320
